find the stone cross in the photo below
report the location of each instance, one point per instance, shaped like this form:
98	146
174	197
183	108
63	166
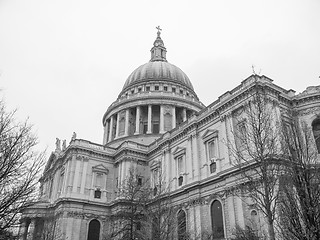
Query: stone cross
159	29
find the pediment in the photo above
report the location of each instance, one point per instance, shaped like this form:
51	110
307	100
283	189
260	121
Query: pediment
179	151
100	168
209	133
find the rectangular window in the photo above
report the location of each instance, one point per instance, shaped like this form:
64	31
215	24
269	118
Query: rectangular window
180	165
97	193
155	128
242	134
180	180
156	88
181	91
173	89
165	88
145	127
212	149
148	88
139	89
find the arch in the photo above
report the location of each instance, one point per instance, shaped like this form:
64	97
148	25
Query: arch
316	132
182	224
94	230
217	219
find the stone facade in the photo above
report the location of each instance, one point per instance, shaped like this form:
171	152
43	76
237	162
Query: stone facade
156	122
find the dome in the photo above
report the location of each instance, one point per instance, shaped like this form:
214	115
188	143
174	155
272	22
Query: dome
158	71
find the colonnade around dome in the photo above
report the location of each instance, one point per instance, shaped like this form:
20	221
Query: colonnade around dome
144	119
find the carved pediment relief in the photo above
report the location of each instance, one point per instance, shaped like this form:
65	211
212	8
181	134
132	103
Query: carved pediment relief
209	134
179	151
100	168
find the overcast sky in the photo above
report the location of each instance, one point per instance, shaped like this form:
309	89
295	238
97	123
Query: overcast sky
63	62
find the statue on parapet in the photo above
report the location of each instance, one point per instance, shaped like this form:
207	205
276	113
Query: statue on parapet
58	144
74	136
64	145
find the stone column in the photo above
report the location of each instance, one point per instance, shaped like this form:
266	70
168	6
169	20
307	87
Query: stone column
161	119
173	117
126	126
117	127
184	114
138	120
149	118
105	136
110	129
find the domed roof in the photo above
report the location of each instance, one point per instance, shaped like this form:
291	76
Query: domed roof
157	71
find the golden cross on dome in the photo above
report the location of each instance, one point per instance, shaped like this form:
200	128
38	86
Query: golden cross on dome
159	29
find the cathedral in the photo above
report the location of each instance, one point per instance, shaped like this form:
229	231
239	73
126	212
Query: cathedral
157	123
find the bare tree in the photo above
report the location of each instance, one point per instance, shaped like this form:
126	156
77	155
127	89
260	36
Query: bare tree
160	212
256	152
130	208
300	205
20	167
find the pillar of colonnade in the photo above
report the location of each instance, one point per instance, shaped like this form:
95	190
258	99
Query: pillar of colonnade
112	130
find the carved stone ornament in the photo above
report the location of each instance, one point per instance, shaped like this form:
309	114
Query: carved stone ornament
314	110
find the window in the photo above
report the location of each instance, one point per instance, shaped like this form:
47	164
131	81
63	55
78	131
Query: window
180	181
94	230
139	89
99	177
139	181
155	177
316	132
145	127
156	88
173	89
181	91
210	139
217	219
212	149
180	162
132	91
148	88
213	167
155	128
97	193
242	133
165	88
182	225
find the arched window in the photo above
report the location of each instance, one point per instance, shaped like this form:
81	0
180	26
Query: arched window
217	219
94	230
316	132
182	225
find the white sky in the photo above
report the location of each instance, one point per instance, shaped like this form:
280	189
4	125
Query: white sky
63	62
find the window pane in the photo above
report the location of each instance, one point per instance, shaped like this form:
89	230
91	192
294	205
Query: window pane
217	220
182	225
